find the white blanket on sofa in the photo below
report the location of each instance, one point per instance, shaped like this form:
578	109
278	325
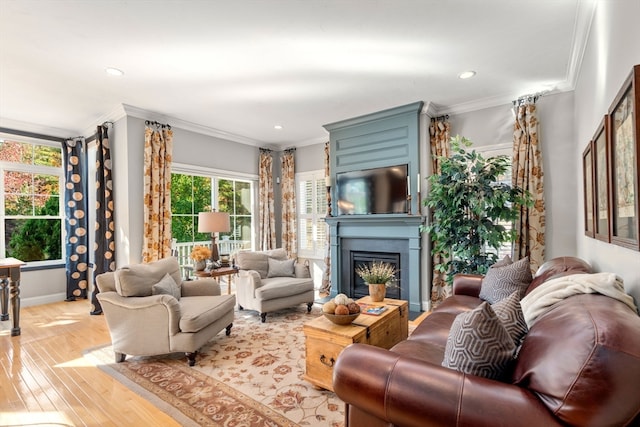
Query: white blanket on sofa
542	298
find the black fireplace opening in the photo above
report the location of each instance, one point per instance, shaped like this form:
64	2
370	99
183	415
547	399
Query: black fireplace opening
359	288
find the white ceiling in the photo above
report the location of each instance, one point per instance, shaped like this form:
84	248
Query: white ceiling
238	68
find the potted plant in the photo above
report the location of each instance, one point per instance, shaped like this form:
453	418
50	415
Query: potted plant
200	254
378	275
470	206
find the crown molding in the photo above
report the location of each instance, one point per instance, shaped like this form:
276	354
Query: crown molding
190	126
585	13
40	129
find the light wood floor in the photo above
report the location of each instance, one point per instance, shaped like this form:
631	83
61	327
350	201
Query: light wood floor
45	380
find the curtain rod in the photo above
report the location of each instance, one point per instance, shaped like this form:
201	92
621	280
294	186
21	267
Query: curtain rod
531	98
440	118
31	134
157	124
93	137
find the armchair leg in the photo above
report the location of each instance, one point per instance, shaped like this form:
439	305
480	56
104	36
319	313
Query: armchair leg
263	317
120	357
191	358
309	305
228	331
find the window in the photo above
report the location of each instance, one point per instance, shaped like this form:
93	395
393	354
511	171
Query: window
312	209
192	193
501	150
30	202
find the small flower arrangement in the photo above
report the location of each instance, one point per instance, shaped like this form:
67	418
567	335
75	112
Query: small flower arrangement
200	253
378	272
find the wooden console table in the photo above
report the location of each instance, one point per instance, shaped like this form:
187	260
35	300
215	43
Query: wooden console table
10	283
219	272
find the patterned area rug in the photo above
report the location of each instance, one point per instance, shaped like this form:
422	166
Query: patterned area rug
251	378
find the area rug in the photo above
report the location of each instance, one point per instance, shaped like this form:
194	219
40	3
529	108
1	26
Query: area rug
251	378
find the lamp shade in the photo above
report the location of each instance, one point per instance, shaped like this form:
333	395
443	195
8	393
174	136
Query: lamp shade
211	222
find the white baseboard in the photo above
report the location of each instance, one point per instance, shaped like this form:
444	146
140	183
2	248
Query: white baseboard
43	299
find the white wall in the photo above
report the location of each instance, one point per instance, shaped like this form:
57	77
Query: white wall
494	126
611	52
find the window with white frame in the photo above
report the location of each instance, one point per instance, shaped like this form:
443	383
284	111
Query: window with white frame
493	151
312	209
31	205
201	191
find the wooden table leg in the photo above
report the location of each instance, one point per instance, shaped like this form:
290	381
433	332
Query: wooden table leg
4	299
14	284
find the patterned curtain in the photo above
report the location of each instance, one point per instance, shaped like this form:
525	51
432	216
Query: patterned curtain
77	256
267	229
326	275
439	137
158	148
289	224
528	175
105	245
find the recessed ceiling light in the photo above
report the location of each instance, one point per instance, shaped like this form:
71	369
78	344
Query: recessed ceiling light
466	74
113	71
278	127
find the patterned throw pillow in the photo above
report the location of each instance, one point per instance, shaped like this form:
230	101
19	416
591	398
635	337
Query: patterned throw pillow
166	286
500	282
510	314
279	268
478	344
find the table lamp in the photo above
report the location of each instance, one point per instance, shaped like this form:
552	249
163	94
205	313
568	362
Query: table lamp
213	222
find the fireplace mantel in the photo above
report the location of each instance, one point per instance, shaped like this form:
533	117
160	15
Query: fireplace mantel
346	229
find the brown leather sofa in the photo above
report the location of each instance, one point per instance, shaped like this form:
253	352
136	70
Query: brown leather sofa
579	365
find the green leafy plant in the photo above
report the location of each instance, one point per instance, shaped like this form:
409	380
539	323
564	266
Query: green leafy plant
469	206
377	273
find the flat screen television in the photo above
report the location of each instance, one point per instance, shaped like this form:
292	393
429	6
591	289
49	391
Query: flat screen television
372	191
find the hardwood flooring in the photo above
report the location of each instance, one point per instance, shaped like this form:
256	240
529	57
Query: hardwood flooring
45	380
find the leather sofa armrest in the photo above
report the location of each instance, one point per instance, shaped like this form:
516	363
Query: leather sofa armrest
467	284
408	392
200	287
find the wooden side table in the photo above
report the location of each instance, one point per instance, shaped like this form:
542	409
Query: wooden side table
219	272
10	276
324	340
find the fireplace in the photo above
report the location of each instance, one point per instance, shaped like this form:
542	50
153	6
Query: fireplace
393	238
358	287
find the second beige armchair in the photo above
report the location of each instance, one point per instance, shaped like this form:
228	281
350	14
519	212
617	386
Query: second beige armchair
268	281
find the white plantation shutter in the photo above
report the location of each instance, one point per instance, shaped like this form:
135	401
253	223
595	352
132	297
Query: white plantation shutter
311	212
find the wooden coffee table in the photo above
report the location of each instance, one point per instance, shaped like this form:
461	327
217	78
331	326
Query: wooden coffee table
324	340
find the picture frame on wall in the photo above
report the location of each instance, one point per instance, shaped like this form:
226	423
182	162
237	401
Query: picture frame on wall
587	185
624	129
600	153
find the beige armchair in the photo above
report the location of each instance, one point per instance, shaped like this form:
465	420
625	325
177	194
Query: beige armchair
268	281
151	311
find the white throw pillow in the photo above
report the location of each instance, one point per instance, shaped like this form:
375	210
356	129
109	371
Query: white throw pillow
278	268
166	286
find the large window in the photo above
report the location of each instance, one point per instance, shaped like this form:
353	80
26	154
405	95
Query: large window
30	202
312	209
493	151
193	193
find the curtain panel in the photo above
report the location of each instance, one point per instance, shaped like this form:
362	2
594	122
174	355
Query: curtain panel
528	174
158	149
75	202
267	233
289	214
326	275
439	140
105	245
